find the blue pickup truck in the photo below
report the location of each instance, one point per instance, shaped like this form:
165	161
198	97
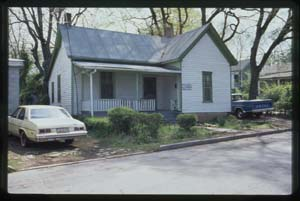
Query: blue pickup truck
241	107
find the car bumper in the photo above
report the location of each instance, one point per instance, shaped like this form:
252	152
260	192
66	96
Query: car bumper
262	110
59	136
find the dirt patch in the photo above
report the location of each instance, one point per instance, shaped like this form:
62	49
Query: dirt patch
47	153
278	122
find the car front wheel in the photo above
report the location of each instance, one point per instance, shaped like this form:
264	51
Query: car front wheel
23	139
239	114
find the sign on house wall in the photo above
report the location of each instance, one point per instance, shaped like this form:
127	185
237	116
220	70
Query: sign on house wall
186	86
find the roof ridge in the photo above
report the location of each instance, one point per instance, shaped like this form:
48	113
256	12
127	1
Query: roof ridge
81	27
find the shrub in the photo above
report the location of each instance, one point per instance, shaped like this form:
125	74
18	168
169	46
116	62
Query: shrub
281	96
285	101
154	122
122	119
186	121
221	121
273	92
142	134
100	125
148	123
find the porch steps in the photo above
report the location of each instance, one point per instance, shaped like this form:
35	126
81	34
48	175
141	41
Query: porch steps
169	116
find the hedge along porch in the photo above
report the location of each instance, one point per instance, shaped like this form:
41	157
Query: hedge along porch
102	86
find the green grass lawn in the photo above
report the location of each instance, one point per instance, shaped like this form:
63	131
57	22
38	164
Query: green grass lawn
167	134
232	122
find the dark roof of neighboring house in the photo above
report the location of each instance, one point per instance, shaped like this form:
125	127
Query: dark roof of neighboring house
111	46
276	71
242	65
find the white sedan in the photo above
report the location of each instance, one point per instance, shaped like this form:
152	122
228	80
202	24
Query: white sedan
41	123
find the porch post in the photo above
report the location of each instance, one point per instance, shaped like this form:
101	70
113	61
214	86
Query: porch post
91	94
136	103
137	85
178	91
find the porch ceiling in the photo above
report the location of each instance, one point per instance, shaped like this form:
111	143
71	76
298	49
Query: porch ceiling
123	67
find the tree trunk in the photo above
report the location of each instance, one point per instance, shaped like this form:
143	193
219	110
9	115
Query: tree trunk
45	97
253	92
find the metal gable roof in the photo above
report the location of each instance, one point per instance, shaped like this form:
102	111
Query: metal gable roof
110	46
180	43
96	44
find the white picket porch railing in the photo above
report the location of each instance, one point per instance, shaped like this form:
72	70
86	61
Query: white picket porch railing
106	104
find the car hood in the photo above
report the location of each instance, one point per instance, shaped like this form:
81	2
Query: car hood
56	123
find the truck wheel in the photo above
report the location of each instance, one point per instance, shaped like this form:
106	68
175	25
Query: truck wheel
69	141
23	139
239	114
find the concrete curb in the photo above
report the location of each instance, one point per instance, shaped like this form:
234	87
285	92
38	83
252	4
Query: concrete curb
219	139
82	161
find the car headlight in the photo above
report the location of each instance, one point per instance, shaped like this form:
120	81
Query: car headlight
45	130
79	128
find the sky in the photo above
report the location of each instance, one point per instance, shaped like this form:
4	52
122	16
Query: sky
112	19
240	45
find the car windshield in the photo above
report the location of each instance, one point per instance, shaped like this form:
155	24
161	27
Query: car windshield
48	113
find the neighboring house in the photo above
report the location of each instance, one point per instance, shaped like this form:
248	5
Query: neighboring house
94	70
14	67
276	73
238	73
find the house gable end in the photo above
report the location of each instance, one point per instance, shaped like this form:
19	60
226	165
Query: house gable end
210	30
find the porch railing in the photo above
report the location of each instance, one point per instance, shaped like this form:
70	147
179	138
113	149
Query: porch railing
106	104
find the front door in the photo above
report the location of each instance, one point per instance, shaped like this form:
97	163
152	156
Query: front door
149	88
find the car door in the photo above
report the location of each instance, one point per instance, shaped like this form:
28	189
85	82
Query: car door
12	127
19	121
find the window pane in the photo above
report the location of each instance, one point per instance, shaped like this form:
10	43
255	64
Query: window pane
207	86
58	89
52	92
21	114
48	113
15	113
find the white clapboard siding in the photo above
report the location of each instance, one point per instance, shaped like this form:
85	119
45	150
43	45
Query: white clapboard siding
62	66
205	56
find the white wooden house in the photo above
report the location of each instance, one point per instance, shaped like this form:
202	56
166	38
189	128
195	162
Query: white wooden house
94	70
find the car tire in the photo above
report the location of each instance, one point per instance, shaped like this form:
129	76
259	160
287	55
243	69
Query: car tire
239	114
69	141
23	139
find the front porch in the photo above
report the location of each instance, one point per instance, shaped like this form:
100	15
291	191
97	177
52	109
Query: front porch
103	105
143	89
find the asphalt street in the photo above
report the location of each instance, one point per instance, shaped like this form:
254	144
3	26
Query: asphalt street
260	165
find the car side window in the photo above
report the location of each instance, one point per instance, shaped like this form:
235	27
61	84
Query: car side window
21	114
15	113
